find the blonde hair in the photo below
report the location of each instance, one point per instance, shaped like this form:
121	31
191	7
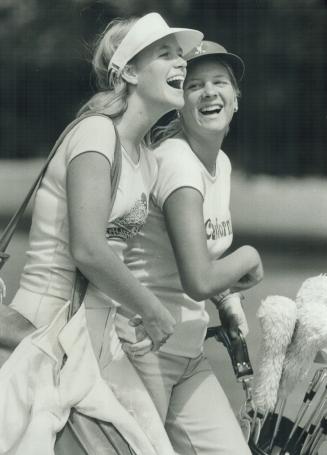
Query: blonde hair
175	126
161	133
111	97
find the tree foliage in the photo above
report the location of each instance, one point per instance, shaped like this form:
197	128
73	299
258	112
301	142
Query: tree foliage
281	126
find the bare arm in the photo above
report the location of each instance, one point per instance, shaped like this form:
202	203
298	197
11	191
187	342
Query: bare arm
202	277
88	194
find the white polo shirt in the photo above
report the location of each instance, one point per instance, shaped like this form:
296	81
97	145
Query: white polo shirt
47	278
150	255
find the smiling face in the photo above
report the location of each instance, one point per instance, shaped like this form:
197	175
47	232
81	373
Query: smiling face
160	72
210	97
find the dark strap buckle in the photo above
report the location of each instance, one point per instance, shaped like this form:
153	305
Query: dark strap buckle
237	350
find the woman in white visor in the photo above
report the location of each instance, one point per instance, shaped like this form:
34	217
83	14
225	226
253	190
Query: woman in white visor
179	257
139	71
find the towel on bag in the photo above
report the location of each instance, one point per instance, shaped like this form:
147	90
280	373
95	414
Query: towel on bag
37	394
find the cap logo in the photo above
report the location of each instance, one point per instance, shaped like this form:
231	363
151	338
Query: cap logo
199	50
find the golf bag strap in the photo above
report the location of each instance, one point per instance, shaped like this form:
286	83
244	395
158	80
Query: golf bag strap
237	350
9	230
81	282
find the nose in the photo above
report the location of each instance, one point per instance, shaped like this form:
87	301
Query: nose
181	62
209	89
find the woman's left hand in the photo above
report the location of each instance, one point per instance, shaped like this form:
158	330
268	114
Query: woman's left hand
139	348
143	343
232	316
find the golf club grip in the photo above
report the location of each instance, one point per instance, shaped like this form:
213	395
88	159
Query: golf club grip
237	350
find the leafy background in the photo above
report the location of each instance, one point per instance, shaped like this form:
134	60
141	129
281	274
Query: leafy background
281	126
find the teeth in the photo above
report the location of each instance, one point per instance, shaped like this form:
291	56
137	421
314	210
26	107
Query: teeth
176	81
175	78
210	109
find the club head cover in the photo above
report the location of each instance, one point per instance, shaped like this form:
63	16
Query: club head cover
277	316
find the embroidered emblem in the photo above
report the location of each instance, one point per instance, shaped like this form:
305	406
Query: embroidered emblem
199	50
127	226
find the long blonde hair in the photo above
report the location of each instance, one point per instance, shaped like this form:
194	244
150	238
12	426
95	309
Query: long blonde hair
161	133
111	97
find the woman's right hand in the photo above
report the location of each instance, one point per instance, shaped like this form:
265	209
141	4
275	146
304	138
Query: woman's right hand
255	269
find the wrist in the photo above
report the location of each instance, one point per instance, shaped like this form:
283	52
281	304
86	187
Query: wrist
230	302
153	312
218	300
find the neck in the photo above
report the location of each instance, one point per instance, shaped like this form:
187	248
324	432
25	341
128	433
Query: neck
205	147
136	121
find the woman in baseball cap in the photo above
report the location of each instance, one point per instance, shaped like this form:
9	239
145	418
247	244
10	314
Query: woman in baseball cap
181	256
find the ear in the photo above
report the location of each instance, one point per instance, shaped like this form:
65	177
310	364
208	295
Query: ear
129	74
235	104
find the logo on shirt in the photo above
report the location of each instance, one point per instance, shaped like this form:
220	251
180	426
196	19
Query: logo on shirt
215	230
127	226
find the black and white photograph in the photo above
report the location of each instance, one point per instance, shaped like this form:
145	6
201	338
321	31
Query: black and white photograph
163	227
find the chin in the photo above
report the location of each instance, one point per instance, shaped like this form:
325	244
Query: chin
177	101
180	104
215	125
211	129
210	124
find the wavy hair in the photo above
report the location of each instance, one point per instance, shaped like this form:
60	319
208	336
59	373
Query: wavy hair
161	133
111	97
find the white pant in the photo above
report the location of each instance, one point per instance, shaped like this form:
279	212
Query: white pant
120	375
198	417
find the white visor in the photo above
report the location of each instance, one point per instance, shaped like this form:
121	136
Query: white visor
147	30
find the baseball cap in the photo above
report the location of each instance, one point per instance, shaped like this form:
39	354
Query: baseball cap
147	30
211	48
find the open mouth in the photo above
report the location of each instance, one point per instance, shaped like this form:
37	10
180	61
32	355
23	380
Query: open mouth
176	82
210	110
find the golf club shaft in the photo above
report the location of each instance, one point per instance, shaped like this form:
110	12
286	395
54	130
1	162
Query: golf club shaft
298	419
316	444
314	386
312	422
278	421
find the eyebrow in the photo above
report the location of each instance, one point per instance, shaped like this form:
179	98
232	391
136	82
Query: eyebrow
217	76
167	47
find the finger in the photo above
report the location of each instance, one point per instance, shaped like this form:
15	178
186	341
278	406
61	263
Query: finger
140	333
139	348
135	321
140	353
234	335
240	325
234	327
240	287
244	328
134	347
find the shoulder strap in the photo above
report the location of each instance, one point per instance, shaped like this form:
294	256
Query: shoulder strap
80	282
9	230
